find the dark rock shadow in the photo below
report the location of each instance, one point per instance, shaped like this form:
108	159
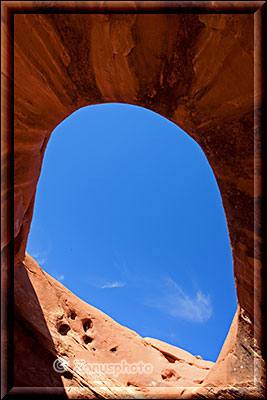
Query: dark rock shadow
34	351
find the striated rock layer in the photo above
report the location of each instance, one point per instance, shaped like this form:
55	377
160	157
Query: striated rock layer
195	69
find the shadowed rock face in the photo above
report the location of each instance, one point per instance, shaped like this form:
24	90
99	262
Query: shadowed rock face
196	70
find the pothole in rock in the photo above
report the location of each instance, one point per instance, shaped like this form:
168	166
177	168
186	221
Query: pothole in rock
73	315
87	324
63	329
87	339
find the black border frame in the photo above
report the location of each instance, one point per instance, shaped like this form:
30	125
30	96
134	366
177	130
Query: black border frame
11	8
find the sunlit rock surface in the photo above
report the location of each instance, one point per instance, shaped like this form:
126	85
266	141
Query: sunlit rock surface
196	70
51	323
62	325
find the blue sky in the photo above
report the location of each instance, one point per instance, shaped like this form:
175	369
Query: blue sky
129	217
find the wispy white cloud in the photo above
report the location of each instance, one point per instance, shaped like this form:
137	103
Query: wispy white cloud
176	302
40	258
111	285
60	278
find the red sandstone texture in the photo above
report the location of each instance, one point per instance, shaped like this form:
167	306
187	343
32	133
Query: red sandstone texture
195	69
69	328
51	324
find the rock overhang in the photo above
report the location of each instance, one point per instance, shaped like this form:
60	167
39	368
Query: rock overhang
195	69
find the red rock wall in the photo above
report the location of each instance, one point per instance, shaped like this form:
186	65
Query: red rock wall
195	69
67	327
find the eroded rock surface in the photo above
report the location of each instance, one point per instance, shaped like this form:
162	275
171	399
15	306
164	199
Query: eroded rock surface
195	69
52	322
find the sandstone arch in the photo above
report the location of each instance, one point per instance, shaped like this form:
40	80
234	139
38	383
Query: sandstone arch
195	69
